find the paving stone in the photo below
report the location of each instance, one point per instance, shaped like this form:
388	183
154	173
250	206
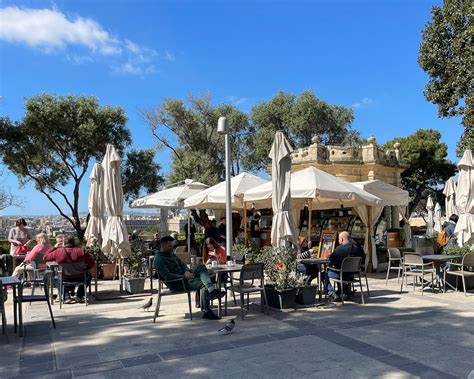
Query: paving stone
198	350
140	360
252	341
423	371
97	368
61	374
37	368
396	360
373	352
286	335
75	360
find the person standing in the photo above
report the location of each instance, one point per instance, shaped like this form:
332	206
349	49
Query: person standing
212	231
19	237
255	230
222	232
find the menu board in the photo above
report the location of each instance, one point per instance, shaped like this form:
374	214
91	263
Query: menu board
327	243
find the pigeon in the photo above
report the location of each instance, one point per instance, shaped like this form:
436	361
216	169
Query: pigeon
147	306
227	329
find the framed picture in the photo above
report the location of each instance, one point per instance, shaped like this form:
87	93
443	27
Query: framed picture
327	243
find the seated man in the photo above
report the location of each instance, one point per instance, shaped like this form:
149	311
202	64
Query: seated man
155	243
170	267
74	261
304	251
346	248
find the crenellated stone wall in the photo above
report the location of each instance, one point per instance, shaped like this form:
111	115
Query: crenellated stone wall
352	163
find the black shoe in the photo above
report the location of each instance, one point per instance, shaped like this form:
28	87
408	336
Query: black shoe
79	299
216	294
210	315
69	300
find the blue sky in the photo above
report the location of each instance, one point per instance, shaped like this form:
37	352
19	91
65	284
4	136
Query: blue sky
134	54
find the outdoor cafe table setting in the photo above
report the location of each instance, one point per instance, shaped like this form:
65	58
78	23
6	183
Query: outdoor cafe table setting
221	269
439	260
14	282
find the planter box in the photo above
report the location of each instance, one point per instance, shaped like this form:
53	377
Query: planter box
134	285
451	279
281	299
108	271
306	295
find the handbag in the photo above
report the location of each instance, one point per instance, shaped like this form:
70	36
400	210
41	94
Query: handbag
21	250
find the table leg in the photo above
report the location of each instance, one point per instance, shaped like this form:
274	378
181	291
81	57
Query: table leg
320	287
219	307
20	319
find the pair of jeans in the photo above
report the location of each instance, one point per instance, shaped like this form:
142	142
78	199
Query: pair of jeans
335	275
310	271
201	281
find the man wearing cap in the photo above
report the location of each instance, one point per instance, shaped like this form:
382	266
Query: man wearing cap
170	267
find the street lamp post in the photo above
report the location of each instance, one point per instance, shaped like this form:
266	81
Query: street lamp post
222	128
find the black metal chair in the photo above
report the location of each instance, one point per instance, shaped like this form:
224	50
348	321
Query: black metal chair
170	292
250	272
350	266
2	307
38	298
63	284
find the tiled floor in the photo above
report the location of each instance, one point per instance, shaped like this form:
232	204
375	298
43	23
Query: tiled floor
393	335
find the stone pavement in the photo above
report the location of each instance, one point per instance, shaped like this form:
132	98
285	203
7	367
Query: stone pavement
394	335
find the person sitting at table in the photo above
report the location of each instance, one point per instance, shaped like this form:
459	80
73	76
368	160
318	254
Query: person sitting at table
35	255
19	237
304	251
74	261
345	249
155	243
170	267
214	252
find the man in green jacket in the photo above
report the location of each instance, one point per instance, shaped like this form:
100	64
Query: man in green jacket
170	267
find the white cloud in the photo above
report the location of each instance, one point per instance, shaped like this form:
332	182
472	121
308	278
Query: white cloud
51	31
365	102
237	101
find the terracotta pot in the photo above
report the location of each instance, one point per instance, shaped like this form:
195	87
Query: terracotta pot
108	271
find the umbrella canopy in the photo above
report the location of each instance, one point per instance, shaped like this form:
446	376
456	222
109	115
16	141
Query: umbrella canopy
115	236
430	216
390	195
96	224
450	192
437	218
465	199
214	197
283	227
325	191
172	197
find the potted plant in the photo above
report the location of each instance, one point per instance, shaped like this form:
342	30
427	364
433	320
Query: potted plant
134	279
282	277
101	261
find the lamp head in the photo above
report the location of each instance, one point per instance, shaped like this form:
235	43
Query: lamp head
222	127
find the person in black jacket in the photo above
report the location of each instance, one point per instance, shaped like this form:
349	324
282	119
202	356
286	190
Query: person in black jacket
347	248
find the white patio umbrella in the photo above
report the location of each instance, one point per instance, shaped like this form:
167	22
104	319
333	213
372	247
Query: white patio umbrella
437	218
465	199
283	227
172	197
430	220
115	236
96	224
214	197
450	192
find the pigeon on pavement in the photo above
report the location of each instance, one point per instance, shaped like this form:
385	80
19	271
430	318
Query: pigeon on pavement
147	306
227	329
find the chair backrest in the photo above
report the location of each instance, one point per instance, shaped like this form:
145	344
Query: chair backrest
47	277
468	260
180	249
394	253
412	259
251	271
351	265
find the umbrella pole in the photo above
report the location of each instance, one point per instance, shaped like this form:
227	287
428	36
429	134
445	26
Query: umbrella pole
310	211
189	234
245	223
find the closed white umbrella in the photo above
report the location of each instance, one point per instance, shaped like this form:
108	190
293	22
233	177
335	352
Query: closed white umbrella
430	216
96	224
283	227
450	192
465	199
437	218
115	236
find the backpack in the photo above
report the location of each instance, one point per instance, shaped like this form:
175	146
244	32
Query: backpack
442	238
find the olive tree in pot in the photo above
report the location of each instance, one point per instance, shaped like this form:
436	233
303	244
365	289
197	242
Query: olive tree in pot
134	278
282	278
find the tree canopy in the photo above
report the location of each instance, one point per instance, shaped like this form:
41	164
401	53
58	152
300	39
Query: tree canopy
199	151
55	142
428	167
300	118
446	55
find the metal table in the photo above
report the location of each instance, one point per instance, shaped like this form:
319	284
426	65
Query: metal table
14	282
438	260
223	269
320	262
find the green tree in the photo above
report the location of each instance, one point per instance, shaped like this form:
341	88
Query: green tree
428	167
300	118
55	142
198	152
140	172
447	56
